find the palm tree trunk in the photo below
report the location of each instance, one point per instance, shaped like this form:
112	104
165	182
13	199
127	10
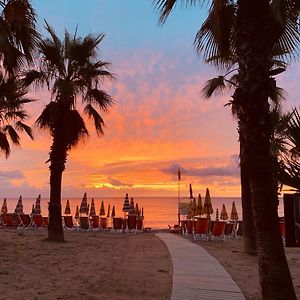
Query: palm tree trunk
249	231
58	156
254	48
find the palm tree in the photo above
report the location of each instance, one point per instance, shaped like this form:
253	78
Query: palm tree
253	40
71	71
12	115
19	36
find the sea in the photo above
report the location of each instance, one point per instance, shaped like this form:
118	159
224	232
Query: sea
158	211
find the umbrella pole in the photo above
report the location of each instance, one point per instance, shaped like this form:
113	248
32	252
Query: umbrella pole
178	201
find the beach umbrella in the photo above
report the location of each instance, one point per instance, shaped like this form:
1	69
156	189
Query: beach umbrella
126	205
84	206
67	209
77	213
132	210
234	215
108	211
199	206
194	207
217	214
32	210
224	215
208	210
88	209
37	208
93	209
137	210
4	207
113	212
19	207
191	192
102	209
142	214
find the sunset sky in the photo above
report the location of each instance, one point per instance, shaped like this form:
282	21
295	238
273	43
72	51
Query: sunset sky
159	121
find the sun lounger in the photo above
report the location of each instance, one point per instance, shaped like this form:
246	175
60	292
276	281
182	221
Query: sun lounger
239	232
37	221
45	222
139	224
7	221
117	225
84	223
174	229
131	226
25	221
230	230
218	231
95	225
68	223
201	232
103	223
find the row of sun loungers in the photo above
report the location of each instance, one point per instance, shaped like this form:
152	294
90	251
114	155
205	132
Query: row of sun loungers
10	220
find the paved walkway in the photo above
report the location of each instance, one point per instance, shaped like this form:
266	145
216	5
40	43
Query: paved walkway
196	274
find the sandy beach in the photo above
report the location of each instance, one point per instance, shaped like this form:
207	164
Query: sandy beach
95	265
90	265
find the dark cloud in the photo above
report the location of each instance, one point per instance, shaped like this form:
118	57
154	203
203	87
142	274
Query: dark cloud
11	175
230	169
116	182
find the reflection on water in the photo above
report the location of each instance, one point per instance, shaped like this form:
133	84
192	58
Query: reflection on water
158	211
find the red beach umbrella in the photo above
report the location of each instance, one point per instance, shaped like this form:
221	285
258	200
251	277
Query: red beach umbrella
37	208
19	207
108	211
113	213
93	209
77	213
83	206
102	209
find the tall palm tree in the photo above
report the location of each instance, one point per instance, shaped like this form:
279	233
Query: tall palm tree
72	72
18	33
253	39
12	114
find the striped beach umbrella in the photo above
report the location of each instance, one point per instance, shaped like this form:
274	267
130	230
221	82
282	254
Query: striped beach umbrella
217	214
19	207
131	210
84	206
77	213
93	208
126	205
234	215
113	212
208	210
4	207
37	207
224	215
67	209
199	206
102	209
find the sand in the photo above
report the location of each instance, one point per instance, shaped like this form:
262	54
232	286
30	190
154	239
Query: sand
243	268
90	265
95	265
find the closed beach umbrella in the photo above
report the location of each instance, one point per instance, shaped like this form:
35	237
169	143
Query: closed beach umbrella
137	210
113	212
19	207
4	207
234	215
67	209
84	206
199	206
37	208
126	205
208	210
132	210
102	210
108	211
77	213
88	209
93	208
32	209
142	214
224	215
191	192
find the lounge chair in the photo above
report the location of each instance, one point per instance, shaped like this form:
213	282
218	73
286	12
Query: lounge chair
230	230
7	221
201	231
84	223
239	232
139	224
95	223
37	221
68	223
25	221
131	225
117	225
45	222
174	229
103	223
217	233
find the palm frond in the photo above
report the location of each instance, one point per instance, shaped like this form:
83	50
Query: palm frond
213	85
100	98
23	127
15	138
98	121
49	116
4	144
33	76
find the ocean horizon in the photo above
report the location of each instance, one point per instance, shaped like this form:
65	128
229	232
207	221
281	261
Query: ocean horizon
158	211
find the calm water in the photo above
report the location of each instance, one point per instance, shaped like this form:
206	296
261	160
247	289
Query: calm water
158	211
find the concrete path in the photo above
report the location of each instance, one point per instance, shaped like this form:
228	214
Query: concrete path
196	274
